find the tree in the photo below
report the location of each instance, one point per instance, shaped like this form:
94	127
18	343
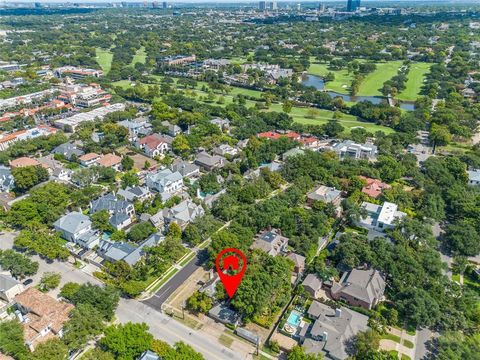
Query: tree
49	281
104	299
101	221
191	235
440	134
127	163
130	179
298	353
27	177
463	239
181	146
366	342
53	349
199	302
12	341
128	341
19	265
97	354
42	242
333	128
457	346
287	106
141	231
69	290
85	323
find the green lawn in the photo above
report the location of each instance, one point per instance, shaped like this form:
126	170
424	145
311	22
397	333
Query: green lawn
301	116
342	81
140	56
104	59
416	77
392	337
373	82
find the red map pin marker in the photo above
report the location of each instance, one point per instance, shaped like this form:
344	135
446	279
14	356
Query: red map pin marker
231	282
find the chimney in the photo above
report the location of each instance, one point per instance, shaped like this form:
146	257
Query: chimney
325	336
338	313
19	316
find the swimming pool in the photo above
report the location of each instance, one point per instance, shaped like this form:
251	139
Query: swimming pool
294	318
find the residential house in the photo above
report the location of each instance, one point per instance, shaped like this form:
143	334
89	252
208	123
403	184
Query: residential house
155	144
61	174
380	217
172	130
374	187
77	228
473	177
89	159
292	152
68	150
121	212
224	314
332	331
9	288
185	168
350	149
271	241
313	285
7	182
359	287
110	161
310	142
209	162
225	149
165	181
23	161
42	317
299	262
326	194
183	213
223	124
113	251
132	194
136	128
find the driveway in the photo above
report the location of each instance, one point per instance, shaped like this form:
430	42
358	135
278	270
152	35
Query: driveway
167	329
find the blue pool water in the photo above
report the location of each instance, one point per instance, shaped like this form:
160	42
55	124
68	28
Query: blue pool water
294	318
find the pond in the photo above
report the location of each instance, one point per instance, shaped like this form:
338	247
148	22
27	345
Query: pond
318	83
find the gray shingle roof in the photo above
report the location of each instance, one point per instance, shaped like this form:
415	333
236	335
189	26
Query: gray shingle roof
72	222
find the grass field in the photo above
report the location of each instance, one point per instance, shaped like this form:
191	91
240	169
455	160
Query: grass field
416	77
373	82
140	56
104	59
299	114
349	122
342	81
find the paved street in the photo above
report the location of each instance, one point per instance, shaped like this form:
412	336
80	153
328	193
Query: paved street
67	270
167	329
176	281
423	338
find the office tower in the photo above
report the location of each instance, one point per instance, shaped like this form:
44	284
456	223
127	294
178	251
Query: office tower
353	5
262	5
321	7
38	5
273	5
299	7
164	5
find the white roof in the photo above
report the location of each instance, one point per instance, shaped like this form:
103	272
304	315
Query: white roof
387	214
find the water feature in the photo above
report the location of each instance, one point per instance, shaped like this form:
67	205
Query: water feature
294	318
318	83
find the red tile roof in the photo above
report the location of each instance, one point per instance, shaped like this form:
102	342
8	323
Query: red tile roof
374	187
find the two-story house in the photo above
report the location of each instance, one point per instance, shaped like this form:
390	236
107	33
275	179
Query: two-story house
271	241
77	228
165	181
121	212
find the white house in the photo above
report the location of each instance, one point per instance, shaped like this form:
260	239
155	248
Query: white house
165	181
380	217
